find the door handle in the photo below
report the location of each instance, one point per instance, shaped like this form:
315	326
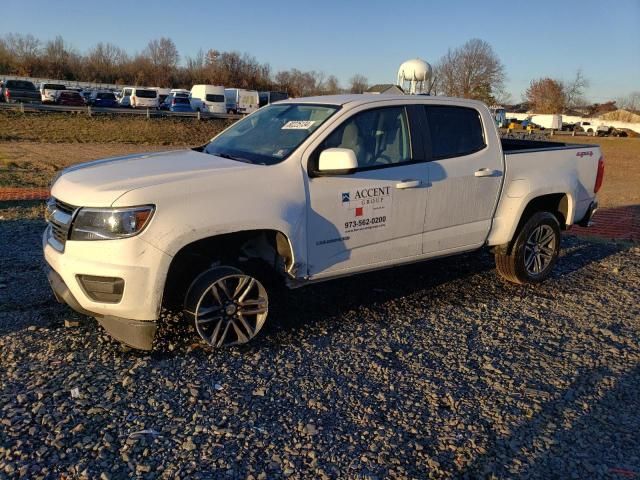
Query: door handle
408	184
485	172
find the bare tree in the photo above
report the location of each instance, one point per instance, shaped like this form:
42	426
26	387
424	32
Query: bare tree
26	51
58	57
630	102
574	90
105	62
358	83
163	56
470	71
331	85
546	95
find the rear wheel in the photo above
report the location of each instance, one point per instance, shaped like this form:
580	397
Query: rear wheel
531	256
227	306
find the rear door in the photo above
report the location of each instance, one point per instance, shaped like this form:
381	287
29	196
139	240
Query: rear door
376	214
465	176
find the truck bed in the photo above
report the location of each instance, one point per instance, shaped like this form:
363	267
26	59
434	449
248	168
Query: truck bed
515	145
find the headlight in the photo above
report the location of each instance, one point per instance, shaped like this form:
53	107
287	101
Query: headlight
110	223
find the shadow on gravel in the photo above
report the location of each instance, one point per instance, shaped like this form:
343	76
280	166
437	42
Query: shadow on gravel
26	299
578	253
326	303
602	439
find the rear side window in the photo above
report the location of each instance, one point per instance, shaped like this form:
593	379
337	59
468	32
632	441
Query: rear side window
146	93
215	98
20	85
455	131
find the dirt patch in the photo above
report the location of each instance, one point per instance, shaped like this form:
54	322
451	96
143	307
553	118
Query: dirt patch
30	164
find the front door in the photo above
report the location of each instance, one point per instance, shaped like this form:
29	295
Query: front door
376	214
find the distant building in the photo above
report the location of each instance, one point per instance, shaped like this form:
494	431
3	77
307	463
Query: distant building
385	89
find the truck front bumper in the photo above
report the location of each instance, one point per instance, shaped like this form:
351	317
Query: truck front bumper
80	277
135	333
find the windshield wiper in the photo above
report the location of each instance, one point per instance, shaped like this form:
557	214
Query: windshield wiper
232	157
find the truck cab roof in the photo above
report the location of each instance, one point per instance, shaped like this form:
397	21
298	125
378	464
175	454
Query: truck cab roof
357	99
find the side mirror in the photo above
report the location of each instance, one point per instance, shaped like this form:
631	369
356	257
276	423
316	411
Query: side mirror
337	161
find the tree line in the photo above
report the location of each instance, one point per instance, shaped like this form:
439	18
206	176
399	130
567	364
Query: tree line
472	70
158	65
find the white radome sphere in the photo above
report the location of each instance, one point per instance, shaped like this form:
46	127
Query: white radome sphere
416	70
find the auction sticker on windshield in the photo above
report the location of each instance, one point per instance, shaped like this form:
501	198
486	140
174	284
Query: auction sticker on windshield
366	208
298	124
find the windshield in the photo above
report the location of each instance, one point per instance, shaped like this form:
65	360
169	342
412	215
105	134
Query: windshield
214	98
146	93
53	86
268	136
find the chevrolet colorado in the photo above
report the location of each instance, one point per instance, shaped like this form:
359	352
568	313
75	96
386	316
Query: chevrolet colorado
302	191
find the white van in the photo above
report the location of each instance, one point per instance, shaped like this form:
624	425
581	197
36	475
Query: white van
137	97
208	98
239	100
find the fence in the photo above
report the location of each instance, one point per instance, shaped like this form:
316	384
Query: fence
90	111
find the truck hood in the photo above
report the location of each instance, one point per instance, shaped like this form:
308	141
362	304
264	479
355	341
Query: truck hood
100	182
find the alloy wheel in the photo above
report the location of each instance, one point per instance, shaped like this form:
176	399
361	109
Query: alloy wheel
539	250
232	310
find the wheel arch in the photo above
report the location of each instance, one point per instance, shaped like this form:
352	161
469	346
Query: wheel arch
271	246
560	203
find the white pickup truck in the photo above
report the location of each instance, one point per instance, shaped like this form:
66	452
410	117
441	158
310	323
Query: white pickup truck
303	191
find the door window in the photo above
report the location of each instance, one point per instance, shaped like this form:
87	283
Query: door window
379	137
455	131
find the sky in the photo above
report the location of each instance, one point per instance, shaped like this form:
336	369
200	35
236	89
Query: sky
544	38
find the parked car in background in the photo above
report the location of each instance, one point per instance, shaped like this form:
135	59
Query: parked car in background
303	191
266	98
239	100
103	99
70	98
584	127
48	91
176	104
208	98
180	92
162	94
499	115
136	97
19	91
86	94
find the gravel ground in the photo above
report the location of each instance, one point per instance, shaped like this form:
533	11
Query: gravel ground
434	370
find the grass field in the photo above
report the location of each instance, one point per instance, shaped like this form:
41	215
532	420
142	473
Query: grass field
34	146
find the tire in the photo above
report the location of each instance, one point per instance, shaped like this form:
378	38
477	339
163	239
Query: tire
531	256
226	306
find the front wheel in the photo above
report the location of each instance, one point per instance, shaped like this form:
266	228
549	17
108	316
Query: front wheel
531	256
226	306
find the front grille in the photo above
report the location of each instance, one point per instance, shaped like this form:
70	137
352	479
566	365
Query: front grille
59	216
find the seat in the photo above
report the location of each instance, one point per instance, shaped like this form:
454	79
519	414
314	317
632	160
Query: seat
352	139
